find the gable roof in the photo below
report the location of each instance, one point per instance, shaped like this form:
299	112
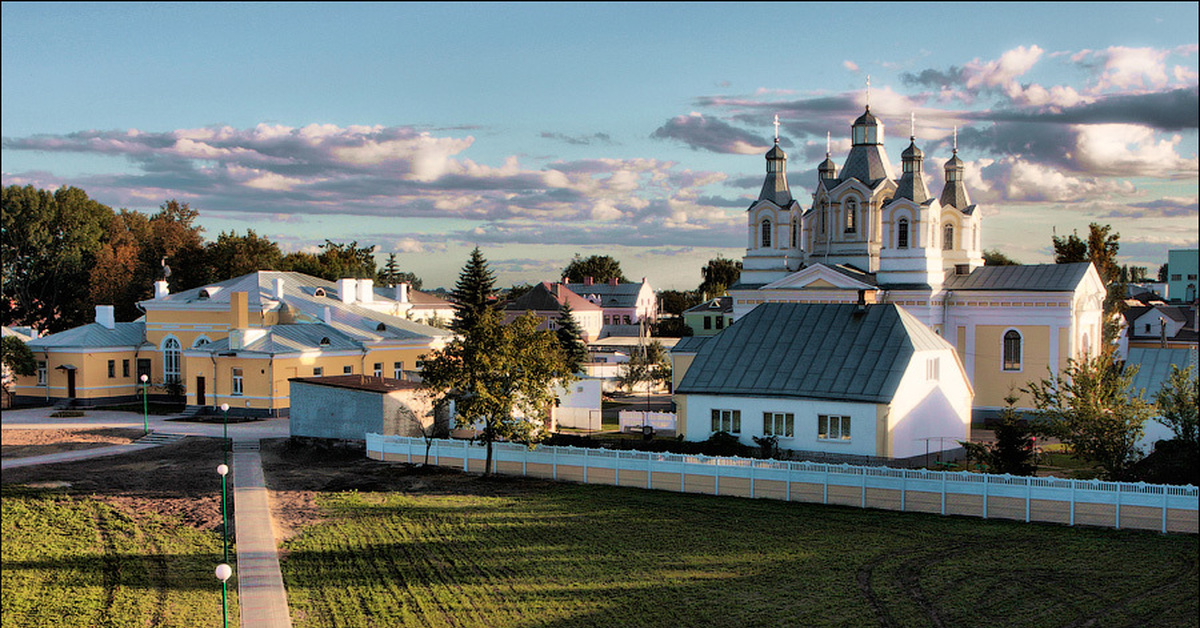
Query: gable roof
1154	366
811	350
717	304
541	298
94	335
609	295
1024	278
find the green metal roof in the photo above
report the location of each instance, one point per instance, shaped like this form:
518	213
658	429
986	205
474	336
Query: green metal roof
811	350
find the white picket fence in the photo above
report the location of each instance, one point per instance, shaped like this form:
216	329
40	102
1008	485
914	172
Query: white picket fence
636	419
1047	499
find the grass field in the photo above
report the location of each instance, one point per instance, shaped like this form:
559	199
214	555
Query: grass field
508	552
79	562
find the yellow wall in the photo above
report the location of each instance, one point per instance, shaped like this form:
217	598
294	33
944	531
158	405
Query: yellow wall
992	383
91	375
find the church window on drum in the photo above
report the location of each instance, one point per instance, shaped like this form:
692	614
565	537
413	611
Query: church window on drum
851	210
902	234
948	238
766	234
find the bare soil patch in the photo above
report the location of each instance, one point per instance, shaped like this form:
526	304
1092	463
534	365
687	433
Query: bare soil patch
18	443
178	480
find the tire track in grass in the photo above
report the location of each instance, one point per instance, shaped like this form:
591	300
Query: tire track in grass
110	567
1170	582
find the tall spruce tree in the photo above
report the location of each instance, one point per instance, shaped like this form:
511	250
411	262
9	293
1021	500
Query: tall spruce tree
474	293
570	337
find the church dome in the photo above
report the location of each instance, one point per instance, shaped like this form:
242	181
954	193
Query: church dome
867	119
954	162
912	152
776	153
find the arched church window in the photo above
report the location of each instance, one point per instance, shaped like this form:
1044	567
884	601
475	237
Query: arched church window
948	238
171	355
902	234
766	233
795	234
851	210
824	211
1012	350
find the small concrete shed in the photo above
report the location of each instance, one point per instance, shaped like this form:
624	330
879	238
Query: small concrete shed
347	407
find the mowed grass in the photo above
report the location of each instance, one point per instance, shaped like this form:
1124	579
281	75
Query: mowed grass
541	554
72	561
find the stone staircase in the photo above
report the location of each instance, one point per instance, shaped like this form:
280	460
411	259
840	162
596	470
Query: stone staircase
245	445
159	438
192	412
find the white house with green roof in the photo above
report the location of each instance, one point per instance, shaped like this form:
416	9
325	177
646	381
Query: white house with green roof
846	380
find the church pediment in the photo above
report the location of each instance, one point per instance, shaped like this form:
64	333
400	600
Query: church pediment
818	277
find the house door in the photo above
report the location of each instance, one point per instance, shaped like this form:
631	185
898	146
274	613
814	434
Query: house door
70	383
200	391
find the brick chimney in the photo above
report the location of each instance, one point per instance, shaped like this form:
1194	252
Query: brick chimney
613	281
239	313
587	281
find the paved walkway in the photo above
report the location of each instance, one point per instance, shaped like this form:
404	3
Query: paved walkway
262	599
70	456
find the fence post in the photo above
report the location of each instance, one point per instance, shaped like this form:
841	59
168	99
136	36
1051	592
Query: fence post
466	455
1164	517
716	465
617	468
903	488
1028	496
554	460
682	473
985	493
825	496
943	492
1118	512
649	468
1072	502
863	499
788	490
585	464
752	480
525	463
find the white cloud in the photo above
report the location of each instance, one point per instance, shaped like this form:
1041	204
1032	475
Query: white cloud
1128	150
850	65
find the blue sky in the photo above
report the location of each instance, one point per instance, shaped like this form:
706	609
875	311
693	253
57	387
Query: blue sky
538	131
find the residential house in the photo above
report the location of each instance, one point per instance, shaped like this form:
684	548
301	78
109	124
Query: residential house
1182	271
627	307
545	299
843	380
710	317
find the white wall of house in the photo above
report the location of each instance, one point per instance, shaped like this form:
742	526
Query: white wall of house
863	419
933	401
579	404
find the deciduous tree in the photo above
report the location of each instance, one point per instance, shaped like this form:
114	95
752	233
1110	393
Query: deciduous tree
718	275
600	268
1178	404
993	257
17	359
647	365
1092	408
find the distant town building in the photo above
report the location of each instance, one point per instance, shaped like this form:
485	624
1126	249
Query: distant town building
545	299
710	317
1182	268
626	306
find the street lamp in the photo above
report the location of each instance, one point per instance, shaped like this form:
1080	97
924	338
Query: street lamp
225	428
223	470
145	405
223	573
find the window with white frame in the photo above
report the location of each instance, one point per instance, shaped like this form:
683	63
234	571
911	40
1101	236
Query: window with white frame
398	370
348	370
781	424
1012	350
237	382
727	421
378	369
833	427
42	372
171	355
318	371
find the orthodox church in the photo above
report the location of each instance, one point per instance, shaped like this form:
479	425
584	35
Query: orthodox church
872	237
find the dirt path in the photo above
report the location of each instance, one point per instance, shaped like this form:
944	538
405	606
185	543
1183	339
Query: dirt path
20	443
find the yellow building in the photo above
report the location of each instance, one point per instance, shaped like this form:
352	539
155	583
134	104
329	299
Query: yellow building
235	342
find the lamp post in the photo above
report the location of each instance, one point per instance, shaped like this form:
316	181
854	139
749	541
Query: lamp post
225	429
223	573
145	404
223	470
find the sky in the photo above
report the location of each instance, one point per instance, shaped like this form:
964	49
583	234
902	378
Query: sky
540	131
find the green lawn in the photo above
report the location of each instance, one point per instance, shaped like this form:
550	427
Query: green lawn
70	561
509	552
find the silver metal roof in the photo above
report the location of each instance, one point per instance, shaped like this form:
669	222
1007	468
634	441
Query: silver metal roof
1024	278
94	335
1154	366
811	350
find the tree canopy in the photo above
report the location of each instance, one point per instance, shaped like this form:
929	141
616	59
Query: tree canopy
649	365
474	294
1092	408
993	257
600	268
17	359
718	275
1100	249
